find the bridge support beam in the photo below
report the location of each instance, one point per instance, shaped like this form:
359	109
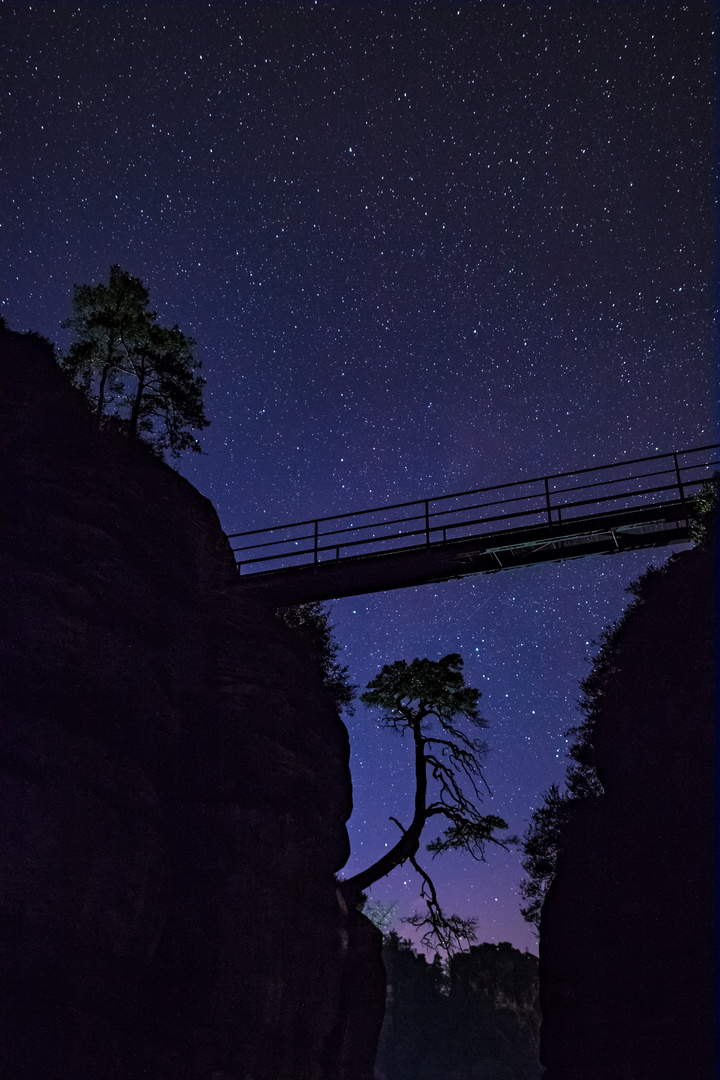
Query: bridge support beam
652	526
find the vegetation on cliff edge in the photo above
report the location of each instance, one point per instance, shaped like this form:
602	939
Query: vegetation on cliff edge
137	376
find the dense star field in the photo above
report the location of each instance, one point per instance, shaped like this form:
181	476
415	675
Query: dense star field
422	247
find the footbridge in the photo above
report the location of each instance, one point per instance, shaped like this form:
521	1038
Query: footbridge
602	509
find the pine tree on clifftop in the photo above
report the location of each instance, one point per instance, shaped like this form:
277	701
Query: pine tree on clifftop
137	376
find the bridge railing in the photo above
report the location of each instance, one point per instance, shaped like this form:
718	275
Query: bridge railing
542	501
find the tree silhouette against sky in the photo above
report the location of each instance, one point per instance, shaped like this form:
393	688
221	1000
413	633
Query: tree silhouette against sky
428	699
137	375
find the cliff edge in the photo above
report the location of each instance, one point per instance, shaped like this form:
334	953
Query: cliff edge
174	781
627	937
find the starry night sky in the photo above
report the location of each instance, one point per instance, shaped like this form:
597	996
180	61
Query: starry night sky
422	247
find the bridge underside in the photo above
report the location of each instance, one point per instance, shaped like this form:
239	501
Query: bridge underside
488	553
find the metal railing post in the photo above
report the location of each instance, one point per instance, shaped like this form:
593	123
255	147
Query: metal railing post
679	479
588	503
547	501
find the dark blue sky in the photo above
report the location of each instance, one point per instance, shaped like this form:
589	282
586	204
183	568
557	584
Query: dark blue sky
422	247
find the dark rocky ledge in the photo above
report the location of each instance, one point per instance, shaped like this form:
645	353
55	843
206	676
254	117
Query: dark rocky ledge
628	946
174	782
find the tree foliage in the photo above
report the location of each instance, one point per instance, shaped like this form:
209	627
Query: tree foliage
414	1043
137	375
475	1016
543	842
704	508
312	622
428	699
381	914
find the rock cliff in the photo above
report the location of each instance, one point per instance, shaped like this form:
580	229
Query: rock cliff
174	782
627	944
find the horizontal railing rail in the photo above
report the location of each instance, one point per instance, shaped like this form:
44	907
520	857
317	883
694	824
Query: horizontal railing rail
521	504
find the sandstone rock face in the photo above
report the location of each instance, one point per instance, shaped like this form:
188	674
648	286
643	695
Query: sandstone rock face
174	782
628	928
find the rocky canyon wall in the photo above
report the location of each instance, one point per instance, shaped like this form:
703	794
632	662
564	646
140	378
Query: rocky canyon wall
174	782
628	946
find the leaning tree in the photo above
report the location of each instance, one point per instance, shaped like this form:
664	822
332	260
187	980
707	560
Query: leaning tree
138	376
428	700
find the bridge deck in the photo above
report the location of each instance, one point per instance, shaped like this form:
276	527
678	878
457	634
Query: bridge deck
600	510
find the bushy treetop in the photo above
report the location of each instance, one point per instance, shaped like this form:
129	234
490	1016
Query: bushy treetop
138	376
424	688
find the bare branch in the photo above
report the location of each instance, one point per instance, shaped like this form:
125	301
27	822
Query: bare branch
447	931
